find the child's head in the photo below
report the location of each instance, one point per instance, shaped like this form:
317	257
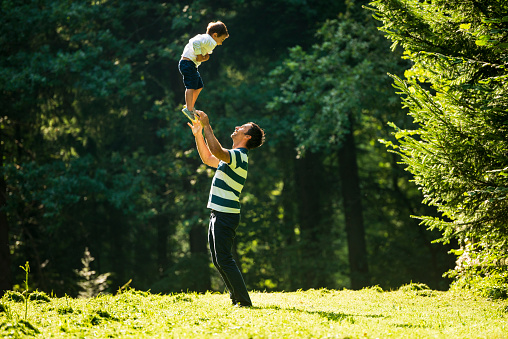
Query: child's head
219	29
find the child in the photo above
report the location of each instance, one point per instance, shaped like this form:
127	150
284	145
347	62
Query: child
195	52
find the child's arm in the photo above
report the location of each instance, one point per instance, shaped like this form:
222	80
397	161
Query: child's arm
201	58
200	49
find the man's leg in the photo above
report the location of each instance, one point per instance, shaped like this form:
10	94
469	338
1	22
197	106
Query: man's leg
211	242
223	229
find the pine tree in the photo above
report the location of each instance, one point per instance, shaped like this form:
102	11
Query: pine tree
90	283
456	91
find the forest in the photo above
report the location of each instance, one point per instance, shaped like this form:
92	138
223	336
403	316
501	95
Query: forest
385	162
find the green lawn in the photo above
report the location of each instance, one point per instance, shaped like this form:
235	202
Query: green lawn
369	313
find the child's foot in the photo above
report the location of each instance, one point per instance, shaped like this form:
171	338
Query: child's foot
189	114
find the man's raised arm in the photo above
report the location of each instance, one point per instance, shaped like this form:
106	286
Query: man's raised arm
213	144
204	152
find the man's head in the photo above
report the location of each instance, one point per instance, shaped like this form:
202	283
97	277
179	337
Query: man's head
250	135
218	31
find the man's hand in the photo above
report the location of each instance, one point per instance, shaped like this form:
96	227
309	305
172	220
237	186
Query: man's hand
202	118
196	127
204	152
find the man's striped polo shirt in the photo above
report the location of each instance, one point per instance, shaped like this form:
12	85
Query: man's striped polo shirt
228	182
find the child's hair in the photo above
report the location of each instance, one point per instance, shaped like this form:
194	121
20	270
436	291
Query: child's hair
257	136
217	27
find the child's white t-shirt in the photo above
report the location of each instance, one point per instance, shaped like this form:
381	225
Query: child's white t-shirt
201	44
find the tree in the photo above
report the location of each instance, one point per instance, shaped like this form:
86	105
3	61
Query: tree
90	283
96	153
260	34
456	92
330	90
86	103
92	152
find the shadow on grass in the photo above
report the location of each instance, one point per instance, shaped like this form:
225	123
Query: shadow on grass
332	316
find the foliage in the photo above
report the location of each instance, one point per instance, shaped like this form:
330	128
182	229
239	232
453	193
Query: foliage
87	117
93	151
414	287
91	283
457	92
96	153
342	75
320	313
340	86
481	270
39	296
14	296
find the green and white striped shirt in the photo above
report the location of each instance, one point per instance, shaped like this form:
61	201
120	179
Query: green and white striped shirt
227	184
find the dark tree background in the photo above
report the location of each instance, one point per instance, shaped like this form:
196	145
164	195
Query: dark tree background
96	154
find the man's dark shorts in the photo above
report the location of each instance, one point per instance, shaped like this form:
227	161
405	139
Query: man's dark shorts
190	74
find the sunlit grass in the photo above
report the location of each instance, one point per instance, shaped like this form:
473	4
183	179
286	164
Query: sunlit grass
369	313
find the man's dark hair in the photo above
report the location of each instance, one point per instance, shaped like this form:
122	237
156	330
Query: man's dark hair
257	136
217	27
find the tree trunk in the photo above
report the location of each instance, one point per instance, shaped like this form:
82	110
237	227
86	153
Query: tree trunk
352	201
290	257
310	186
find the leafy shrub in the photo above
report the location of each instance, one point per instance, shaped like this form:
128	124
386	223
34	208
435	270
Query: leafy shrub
39	296
414	287
14	296
493	285
482	269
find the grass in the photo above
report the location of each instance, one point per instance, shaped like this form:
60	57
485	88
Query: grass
369	313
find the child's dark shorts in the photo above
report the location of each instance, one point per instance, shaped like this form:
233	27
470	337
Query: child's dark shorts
191	77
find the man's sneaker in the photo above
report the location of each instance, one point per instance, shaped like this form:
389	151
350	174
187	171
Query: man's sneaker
189	114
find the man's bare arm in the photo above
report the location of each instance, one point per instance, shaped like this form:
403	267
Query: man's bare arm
213	144
204	152
215	147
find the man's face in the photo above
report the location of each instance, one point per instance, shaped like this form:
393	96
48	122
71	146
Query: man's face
240	131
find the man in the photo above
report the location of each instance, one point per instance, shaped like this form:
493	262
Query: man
224	199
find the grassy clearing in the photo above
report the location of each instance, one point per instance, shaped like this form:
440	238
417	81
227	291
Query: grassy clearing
369	313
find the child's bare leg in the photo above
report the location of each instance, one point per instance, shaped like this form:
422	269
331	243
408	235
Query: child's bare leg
189	98
195	95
